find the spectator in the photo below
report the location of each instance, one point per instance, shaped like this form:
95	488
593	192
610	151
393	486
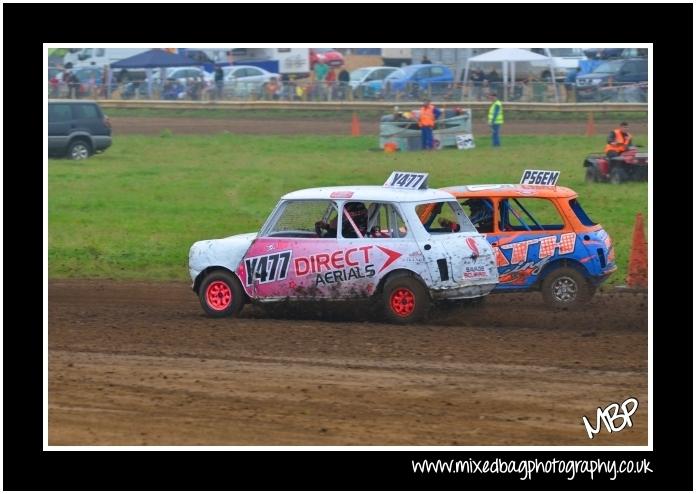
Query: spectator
54	84
477	79
321	70
73	86
618	141
426	121
495	118
123	76
343	83
330	83
425	59
219	81
494	80
272	89
569	84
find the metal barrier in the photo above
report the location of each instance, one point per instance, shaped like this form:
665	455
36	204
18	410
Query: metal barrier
377	91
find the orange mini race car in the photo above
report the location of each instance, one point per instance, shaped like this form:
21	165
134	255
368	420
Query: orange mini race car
542	239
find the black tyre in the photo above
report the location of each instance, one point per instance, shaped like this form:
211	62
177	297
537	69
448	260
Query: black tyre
591	175
221	295
618	175
566	288
79	149
405	299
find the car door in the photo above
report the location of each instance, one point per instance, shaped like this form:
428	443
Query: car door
530	233
421	77
454	252
60	121
289	258
372	245
255	75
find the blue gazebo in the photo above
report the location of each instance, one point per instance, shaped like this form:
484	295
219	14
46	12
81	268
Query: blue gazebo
151	59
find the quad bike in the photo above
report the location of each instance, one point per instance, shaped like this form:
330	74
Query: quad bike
630	165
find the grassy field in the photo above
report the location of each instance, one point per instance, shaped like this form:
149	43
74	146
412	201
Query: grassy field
134	211
614	117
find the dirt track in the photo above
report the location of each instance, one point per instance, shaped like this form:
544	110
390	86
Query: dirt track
180	125
138	363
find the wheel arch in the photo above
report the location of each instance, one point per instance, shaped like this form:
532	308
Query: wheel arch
86	138
210	269
400	271
562	263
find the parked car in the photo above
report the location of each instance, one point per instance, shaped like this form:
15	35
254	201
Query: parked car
247	73
601	84
542	239
245	80
184	74
77	129
400	245
416	81
360	79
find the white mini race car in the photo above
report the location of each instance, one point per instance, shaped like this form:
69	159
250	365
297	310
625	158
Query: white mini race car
402	244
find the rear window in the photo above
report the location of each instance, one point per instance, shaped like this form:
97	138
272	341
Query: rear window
86	112
59	113
580	213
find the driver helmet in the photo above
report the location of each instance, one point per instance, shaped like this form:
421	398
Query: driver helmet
358	213
480	212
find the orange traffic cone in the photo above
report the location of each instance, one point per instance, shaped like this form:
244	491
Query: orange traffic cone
355	127
590	128
638	261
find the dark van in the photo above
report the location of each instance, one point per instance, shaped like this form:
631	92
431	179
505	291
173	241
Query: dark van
77	129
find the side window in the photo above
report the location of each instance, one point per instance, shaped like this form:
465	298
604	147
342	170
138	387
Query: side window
437	71
443	217
480	212
422	73
59	113
384	221
85	112
253	72
301	219
529	214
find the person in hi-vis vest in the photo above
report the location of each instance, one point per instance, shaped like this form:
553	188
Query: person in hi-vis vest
618	141
426	121
495	118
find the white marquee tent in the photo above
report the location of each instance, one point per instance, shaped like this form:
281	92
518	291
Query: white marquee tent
508	57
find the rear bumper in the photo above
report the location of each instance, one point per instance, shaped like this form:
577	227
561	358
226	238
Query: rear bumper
101	142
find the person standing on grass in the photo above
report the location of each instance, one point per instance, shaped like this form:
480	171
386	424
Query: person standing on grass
495	118
426	121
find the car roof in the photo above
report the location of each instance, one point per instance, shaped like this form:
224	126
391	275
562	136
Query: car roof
370	193
375	67
510	190
246	67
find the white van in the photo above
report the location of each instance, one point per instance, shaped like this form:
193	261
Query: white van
564	59
98	57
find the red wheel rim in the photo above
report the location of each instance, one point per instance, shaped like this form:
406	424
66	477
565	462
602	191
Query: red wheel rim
403	302
218	295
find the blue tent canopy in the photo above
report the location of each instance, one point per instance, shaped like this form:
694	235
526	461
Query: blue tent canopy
153	59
